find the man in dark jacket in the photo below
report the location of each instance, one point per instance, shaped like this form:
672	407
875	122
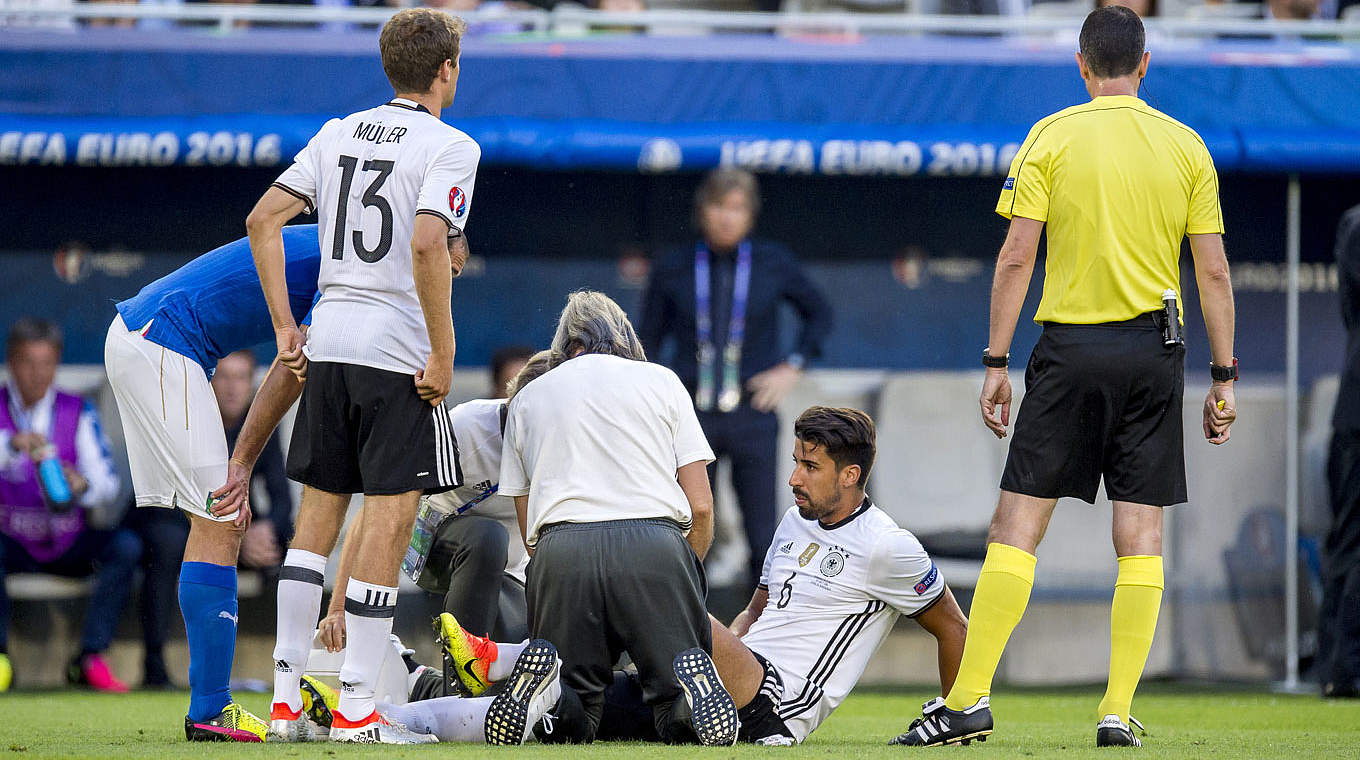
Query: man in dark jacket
718	302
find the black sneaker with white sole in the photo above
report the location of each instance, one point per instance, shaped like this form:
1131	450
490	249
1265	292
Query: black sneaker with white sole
531	690
1111	732
713	714
940	725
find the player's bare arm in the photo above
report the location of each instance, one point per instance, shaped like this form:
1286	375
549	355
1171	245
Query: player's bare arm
522	513
1014	266
275	396
264	226
331	629
1216	301
945	621
432	269
747	617
693	479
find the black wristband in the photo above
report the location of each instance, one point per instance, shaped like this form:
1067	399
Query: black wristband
1223	374
995	362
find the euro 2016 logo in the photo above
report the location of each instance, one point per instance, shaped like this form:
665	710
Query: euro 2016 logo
457	202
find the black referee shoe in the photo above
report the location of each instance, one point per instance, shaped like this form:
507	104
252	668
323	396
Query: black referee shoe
1111	732
942	726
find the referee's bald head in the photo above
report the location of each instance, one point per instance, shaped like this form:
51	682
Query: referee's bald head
1112	42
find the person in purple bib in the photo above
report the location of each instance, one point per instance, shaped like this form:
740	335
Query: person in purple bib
55	470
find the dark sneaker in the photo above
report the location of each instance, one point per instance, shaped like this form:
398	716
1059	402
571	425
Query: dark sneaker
1111	732
939	725
531	690
713	714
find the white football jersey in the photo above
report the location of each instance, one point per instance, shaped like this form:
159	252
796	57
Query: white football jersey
367	176
477	429
835	593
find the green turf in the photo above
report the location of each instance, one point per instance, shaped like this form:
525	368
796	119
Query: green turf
1182	723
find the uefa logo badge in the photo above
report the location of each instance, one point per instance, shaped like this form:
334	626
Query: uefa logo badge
457	202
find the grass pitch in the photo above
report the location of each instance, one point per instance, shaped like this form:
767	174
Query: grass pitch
1182	722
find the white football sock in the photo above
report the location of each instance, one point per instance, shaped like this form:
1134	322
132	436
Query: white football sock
299	605
368	625
506	654
452	719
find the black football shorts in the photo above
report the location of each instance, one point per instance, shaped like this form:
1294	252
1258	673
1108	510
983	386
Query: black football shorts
1101	401
366	430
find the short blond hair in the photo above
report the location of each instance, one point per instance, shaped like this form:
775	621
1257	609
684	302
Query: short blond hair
414	43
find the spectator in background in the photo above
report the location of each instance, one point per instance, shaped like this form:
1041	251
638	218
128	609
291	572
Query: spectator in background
506	363
1339	626
718	301
38	531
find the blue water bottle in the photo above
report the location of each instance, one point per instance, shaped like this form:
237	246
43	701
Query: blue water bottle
52	480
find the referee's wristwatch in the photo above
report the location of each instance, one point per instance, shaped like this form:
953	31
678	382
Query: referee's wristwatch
995	362
1222	374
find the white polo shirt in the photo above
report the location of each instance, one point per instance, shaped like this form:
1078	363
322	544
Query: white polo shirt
600	438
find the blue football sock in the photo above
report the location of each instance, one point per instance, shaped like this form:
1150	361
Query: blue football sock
207	597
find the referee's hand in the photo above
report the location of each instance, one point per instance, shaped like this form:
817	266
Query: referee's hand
1220	412
996	401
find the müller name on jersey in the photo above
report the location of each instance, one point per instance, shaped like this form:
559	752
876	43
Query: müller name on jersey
377	133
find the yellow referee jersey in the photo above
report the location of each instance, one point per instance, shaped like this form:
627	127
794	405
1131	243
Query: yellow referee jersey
1119	184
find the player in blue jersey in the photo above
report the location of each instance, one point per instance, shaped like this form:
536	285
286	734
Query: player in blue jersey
160	352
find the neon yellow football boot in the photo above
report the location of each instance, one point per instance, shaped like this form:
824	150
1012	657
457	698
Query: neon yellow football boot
465	654
233	724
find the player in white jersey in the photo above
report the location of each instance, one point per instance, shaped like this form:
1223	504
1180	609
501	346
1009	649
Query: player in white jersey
389	185
835	580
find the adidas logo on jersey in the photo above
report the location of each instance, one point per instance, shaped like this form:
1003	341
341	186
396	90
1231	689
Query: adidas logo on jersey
786	548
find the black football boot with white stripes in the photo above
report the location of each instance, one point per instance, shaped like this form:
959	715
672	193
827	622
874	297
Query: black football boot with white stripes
940	726
1111	732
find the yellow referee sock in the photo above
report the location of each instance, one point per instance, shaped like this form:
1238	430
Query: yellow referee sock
998	604
1133	619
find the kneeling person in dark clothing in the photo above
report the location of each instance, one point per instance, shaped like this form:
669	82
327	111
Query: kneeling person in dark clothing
607	464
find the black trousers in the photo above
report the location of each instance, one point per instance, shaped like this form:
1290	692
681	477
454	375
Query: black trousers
1339	626
468	562
597	590
747	440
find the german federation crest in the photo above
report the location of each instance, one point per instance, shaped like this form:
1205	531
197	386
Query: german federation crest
833	564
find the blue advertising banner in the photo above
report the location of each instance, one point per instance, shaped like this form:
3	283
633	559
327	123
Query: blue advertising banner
878	105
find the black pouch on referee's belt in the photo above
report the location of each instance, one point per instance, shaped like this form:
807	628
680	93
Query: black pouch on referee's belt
1169	319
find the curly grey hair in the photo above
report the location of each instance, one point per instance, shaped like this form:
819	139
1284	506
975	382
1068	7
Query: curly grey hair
592	323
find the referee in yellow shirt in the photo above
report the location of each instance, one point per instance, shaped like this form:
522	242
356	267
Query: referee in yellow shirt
1118	184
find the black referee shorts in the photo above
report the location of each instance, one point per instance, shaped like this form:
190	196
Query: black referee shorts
366	430
1101	400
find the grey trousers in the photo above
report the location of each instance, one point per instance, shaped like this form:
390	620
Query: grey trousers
467	564
597	590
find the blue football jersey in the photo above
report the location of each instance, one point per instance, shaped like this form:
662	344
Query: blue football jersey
213	305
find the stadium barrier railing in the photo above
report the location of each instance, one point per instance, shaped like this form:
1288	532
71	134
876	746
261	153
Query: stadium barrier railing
570	21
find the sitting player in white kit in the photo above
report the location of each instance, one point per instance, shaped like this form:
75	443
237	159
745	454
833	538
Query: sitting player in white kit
836	577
